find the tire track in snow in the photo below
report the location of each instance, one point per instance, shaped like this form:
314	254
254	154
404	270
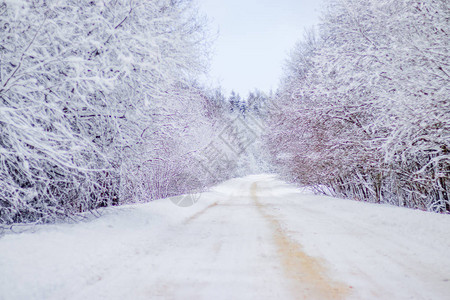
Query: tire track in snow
308	275
198	214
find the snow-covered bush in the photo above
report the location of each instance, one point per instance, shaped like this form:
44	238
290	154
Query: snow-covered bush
91	91
365	107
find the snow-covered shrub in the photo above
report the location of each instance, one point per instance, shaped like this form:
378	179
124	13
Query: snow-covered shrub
365	107
89	92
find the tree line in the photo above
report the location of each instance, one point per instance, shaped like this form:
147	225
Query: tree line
100	104
364	110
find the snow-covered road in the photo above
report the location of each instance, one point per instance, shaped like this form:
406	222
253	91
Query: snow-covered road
249	238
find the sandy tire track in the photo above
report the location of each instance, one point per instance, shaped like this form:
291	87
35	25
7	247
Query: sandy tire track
307	274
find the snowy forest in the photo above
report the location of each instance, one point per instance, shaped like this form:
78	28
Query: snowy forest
101	104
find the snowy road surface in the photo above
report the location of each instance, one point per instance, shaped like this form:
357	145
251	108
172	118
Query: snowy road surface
249	238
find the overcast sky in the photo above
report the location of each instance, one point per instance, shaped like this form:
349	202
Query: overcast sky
255	37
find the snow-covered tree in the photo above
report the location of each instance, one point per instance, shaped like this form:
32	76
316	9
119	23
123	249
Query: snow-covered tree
91	92
364	107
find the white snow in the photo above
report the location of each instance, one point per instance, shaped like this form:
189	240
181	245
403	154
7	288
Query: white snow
250	238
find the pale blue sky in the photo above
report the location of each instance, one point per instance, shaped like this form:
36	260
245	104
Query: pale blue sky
255	37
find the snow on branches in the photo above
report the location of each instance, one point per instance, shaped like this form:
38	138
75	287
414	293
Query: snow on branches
84	93
365	111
